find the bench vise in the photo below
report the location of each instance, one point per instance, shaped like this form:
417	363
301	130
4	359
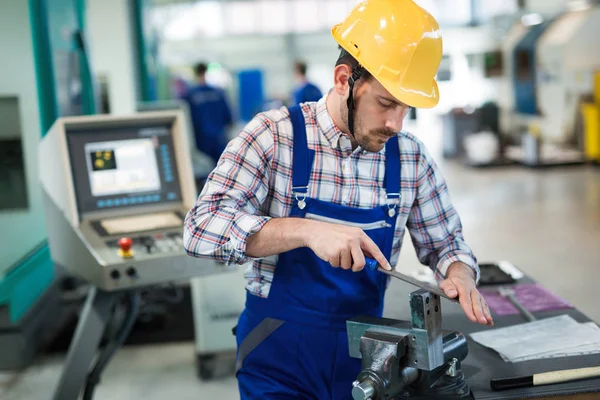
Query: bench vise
408	360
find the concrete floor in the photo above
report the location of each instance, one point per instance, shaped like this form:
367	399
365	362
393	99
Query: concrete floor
546	222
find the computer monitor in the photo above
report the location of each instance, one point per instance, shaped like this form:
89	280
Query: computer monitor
123	166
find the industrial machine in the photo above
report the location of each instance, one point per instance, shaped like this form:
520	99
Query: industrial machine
521	117
551	68
116	191
506	97
569	60
568	57
409	360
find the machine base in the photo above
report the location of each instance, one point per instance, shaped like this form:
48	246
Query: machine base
445	388
21	342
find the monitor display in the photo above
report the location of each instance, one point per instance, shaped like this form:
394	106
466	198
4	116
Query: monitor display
123	166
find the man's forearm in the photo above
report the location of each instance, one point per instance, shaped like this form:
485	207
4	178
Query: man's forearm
278	236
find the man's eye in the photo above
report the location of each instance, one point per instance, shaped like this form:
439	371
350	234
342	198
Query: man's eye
385	105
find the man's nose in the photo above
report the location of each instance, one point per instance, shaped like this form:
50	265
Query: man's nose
395	121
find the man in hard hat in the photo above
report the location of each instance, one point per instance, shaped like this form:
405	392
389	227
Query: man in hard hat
307	193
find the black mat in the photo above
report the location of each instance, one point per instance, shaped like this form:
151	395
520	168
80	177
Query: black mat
483	364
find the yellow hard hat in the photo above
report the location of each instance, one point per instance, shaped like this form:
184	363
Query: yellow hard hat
399	43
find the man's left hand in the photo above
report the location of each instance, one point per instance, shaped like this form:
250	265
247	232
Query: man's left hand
460	281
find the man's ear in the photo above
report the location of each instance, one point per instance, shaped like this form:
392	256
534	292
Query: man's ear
341	74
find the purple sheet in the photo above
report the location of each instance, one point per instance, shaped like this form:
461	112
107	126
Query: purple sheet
532	296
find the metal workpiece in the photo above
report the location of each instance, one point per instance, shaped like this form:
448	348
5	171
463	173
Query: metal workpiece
426	350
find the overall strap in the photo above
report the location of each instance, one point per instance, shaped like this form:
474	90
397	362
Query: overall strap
391	181
302	156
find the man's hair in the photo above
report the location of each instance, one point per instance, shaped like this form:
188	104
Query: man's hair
300	67
347	59
200	68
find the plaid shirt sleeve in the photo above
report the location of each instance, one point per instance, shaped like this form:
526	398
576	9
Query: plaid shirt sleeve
227	210
434	224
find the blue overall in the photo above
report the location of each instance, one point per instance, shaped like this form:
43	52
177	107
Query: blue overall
299	346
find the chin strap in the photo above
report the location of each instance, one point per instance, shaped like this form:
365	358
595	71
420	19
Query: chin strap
356	73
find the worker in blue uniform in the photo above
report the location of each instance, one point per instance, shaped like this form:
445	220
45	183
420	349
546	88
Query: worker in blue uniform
210	114
305	91
306	193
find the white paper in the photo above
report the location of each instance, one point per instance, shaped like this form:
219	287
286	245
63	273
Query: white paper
510	269
554	335
586	349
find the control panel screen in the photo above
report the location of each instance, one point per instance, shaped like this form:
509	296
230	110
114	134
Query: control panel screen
116	166
124	166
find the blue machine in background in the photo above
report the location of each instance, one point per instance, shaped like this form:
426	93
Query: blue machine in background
525	71
250	93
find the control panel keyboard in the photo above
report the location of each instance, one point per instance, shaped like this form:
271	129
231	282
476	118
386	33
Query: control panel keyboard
155	243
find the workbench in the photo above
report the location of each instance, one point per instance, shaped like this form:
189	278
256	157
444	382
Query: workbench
483	364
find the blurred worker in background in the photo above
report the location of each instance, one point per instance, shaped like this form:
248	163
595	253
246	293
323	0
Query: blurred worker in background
305	91
307	193
210	114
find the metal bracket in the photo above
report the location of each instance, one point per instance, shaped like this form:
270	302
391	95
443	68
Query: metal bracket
426	347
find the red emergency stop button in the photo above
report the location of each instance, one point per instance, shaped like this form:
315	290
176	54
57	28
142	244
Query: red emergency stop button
125	247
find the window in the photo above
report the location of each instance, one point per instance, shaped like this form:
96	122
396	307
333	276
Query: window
241	17
273	16
208	18
178	23
335	11
307	15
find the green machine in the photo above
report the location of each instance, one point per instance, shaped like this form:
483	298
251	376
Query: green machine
46	75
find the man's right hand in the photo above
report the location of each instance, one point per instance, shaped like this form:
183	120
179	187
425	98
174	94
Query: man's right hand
342	246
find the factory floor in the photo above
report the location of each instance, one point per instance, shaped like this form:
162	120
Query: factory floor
546	222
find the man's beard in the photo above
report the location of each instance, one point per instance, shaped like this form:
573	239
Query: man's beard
374	140
371	141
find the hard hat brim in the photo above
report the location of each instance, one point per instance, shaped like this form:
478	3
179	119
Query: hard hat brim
424	98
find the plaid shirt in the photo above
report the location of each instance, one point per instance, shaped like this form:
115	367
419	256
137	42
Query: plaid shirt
253	183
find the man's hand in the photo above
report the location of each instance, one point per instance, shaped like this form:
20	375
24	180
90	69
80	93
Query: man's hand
460	281
343	246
